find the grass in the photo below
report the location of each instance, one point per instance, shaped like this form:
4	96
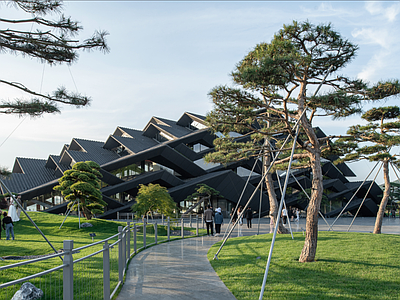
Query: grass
347	266
88	274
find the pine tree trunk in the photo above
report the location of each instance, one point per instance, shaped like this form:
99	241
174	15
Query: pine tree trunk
310	243
273	202
385	198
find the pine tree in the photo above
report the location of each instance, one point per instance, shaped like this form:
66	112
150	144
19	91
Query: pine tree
52	42
374	142
277	85
81	186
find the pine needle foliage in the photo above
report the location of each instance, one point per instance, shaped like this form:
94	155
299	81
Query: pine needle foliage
50	41
277	84
82	183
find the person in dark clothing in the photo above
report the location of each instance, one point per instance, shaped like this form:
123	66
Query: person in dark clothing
8	226
1	214
208	218
218	220
249	216
233	215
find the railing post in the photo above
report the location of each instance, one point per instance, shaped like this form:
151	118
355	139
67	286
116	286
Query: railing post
155	232
120	255
106	271
134	238
197	225
202	219
190	221
168	229
182	223
68	271
117	215
128	242
144	234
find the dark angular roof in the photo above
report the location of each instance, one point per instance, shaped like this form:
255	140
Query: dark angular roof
34	174
171	127
136	143
94	151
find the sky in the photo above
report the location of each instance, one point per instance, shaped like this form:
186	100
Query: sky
165	57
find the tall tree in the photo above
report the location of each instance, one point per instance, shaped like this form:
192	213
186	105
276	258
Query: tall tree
153	198
50	41
277	85
374	142
81	186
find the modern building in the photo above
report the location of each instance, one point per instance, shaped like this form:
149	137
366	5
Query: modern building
171	153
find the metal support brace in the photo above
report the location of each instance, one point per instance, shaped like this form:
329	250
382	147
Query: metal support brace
128	241
121	260
144	234
68	271
182	224
155	232
168	229
197	225
106	271
134	238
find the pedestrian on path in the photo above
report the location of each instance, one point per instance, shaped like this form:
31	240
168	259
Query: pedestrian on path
284	215
208	218
218	220
249	216
297	215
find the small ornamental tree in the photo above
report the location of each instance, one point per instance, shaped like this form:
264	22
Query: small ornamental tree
153	198
50	41
276	86
374	142
203	193
82	183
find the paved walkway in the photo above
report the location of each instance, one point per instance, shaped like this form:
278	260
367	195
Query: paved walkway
180	270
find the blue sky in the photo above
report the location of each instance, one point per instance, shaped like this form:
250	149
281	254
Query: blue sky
166	56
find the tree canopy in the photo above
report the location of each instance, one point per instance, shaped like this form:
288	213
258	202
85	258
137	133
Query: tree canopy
277	85
50	41
373	141
153	198
82	183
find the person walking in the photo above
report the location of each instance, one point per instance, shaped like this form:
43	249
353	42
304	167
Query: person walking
8	226
208	218
12	210
240	220
218	220
249	217
297	215
1	214
284	215
233	215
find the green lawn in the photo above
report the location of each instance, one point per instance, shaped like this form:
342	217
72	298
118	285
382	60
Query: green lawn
88	274
347	266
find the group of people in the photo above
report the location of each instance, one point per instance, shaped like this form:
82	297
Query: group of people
9	218
290	213
217	218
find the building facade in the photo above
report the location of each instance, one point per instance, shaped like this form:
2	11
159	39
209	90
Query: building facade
171	153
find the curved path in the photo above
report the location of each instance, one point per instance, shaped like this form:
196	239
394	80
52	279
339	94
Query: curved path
175	270
180	269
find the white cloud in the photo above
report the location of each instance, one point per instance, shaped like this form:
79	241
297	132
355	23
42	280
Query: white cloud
378	36
378	62
389	13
